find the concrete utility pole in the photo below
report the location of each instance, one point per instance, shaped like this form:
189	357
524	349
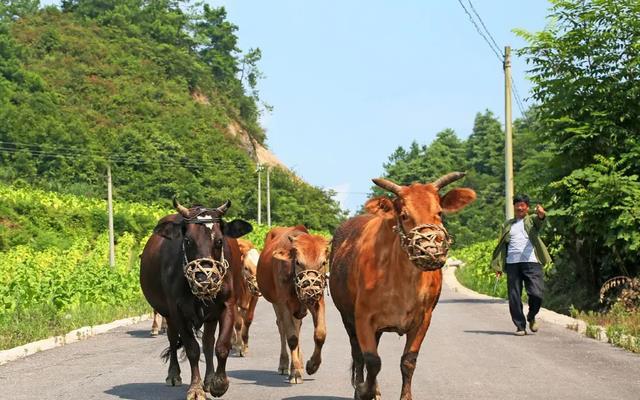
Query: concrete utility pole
259	170
508	141
112	251
268	199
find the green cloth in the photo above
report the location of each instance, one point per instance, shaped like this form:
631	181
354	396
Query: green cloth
532	225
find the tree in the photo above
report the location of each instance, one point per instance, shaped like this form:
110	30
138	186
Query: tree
585	70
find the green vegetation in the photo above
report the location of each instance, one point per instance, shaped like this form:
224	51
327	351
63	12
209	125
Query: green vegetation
54	270
622	326
148	89
576	152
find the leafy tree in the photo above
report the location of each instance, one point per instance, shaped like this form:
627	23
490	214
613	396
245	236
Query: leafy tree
585	69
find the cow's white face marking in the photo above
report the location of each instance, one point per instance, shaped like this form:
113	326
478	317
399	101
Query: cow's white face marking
208	225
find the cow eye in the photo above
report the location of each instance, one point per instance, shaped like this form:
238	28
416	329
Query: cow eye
404	216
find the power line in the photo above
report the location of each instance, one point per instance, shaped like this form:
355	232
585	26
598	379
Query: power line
484	26
496	51
71	153
519	101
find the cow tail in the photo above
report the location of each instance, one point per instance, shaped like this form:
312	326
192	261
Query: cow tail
166	353
353	374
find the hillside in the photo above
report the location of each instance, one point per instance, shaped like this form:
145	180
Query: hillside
163	97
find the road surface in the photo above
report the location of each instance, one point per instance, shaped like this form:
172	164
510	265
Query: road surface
470	353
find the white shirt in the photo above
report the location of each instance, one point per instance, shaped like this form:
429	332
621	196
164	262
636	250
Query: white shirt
520	248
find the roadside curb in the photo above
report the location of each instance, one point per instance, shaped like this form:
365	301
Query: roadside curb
75	335
594	332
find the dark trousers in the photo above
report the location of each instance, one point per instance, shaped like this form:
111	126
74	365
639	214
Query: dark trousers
532	276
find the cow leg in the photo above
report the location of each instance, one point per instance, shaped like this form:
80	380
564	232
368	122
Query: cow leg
247	320
192	348
283	364
163	325
173	375
410	355
293	340
237	331
208	340
223	347
319	336
368	341
357	366
155	324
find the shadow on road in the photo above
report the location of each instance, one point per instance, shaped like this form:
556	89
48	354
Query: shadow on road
262	378
473	301
148	391
491	332
141	333
316	397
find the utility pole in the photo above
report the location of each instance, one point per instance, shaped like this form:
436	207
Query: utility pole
508	141
259	170
112	252
268	199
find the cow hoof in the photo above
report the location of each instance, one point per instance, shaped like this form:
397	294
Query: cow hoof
218	385
244	350
312	367
173	380
154	332
362	394
196	393
296	377
283	370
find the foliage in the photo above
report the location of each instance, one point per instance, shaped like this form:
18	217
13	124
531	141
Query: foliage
622	326
477	273
148	89
584	68
480	156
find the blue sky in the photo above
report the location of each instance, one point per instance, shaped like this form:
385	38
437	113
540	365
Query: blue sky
350	81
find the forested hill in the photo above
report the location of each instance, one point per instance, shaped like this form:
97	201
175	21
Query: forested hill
145	87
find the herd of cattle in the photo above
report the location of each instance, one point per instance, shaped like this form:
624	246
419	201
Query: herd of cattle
385	276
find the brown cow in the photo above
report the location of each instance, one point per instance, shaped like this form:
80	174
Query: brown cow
386	276
247	294
291	275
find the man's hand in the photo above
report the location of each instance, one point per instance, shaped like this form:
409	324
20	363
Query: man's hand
498	274
540	211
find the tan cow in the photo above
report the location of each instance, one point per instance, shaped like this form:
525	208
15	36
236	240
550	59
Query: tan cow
247	295
386	273
291	276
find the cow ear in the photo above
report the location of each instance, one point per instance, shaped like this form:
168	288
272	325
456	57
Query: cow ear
168	230
457	199
282	255
381	205
236	228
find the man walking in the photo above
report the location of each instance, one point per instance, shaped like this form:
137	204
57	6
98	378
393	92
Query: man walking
521	254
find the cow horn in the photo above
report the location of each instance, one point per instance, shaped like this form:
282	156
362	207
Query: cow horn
387	185
444	180
223	208
184	211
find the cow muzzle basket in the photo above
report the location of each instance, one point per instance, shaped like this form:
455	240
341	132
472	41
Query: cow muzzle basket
309	285
252	283
423	247
205	276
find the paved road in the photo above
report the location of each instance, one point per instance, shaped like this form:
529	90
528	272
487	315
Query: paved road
470	353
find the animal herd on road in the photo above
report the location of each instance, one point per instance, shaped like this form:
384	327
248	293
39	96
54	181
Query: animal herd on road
385	276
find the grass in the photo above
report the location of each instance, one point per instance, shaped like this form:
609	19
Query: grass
622	326
37	323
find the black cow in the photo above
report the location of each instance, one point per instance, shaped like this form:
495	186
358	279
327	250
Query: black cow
186	274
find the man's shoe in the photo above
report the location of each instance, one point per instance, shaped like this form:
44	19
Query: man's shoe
521	332
533	325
